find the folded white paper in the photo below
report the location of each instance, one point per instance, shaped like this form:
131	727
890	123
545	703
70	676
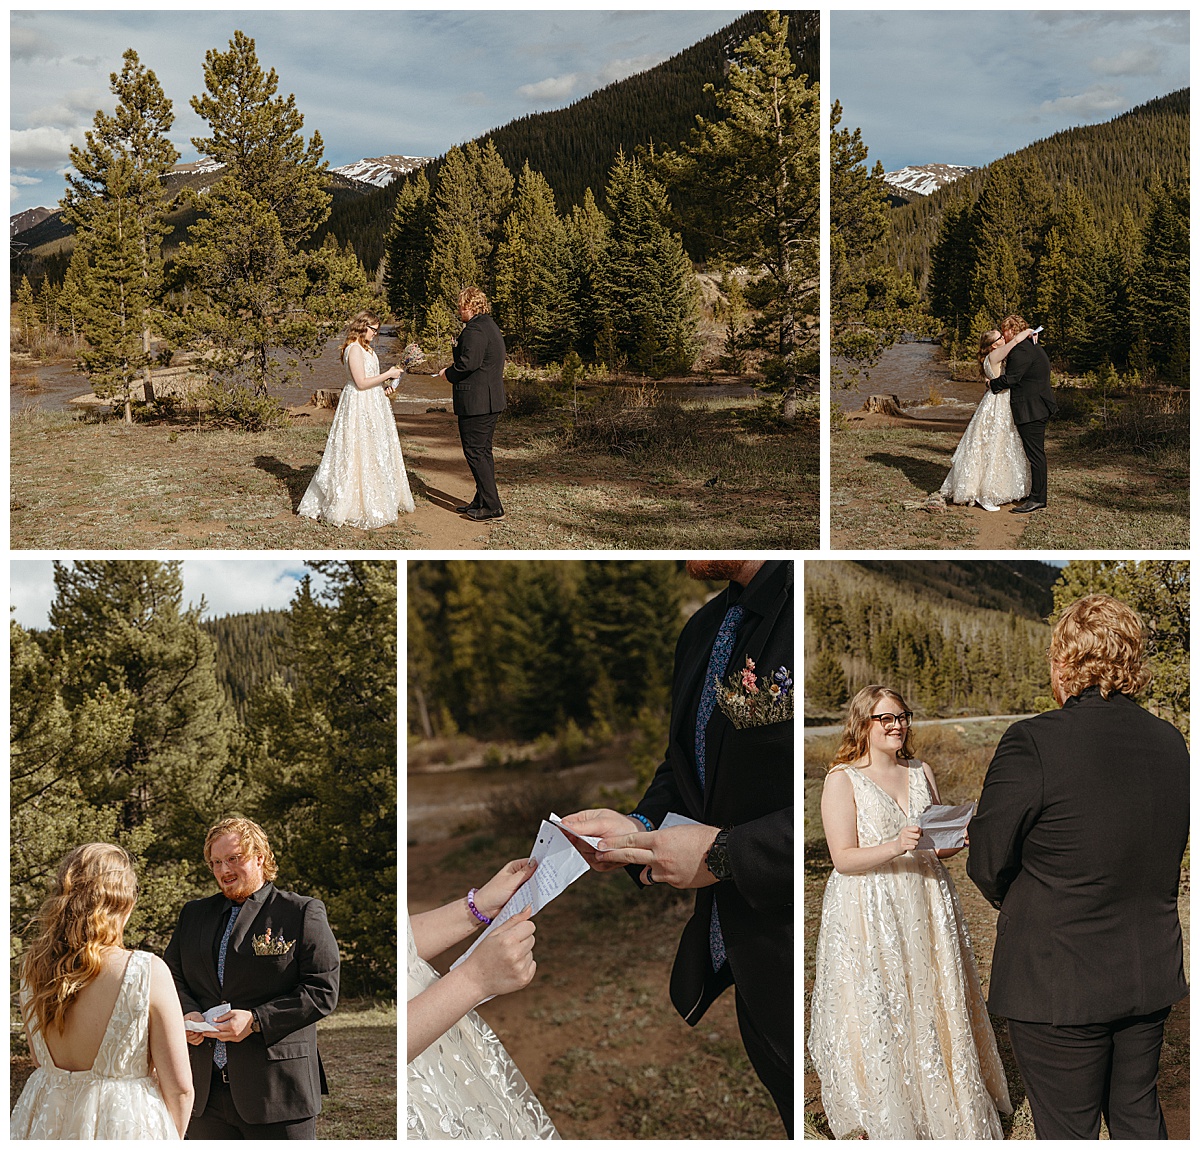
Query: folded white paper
559	865
206	1027
943	828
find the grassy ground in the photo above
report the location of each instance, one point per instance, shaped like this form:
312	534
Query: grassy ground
959	757
358	1047
739	481
1105	500
595	1033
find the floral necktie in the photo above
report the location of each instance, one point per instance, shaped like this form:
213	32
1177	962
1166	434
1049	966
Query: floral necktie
219	1055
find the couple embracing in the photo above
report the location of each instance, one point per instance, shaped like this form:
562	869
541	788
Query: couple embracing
1077	841
1001	457
218	1041
732	777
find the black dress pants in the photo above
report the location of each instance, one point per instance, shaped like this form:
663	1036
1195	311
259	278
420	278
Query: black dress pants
475	432
1074	1074
221	1120
1033	439
776	1074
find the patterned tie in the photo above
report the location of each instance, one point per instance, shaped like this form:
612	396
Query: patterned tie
718	661
219	1055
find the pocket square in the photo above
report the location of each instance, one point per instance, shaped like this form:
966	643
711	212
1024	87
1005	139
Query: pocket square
271	945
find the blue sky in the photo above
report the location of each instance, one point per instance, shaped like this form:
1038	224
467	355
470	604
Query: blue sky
372	82
968	87
228	586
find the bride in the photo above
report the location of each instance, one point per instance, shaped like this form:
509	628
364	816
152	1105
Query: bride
899	1034
361	481
989	466
461	1081
104	1024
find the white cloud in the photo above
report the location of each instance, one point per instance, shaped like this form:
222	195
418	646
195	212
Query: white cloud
42	147
70	109
24	181
550	89
615	70
1098	100
1141	60
230	586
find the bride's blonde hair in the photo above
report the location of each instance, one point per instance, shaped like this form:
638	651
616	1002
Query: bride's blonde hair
356	329
93	894
856	736
985	346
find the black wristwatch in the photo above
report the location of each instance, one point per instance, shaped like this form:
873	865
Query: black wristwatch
254	1026
717	859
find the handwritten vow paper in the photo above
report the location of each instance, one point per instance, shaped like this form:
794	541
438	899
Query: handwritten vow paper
943	828
559	865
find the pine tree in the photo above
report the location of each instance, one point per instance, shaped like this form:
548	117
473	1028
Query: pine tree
409	246
648	290
754	175
258	291
587	241
950	262
117	205
532	273
26	314
1067	276
825	684
1159	294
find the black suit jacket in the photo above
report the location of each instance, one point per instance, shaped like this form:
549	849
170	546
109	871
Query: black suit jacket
1027	374
750	787
1078	839
275	1076
477	374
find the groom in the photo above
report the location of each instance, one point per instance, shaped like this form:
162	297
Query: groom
270	954
477	377
1027	374
1081	828
737	783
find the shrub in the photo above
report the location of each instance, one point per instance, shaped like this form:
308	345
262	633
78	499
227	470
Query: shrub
530	396
630	420
240	407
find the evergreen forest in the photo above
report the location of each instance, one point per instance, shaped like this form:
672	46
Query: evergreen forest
515	650
970	638
584	226
135	722
1086	232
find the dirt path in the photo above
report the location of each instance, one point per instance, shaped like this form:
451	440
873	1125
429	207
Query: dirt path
437	470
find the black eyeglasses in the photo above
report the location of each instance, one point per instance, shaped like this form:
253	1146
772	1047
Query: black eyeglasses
902	720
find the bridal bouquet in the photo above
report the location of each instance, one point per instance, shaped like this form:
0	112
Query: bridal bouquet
751	700
413	355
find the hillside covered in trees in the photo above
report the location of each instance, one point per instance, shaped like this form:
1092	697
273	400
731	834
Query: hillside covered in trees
1087	230
961	637
122	730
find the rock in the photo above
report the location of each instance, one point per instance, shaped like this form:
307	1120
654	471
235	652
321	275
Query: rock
326	397
884	405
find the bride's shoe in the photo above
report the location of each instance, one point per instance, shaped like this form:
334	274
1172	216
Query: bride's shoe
986	505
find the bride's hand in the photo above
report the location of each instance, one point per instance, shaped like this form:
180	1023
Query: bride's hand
490	899
503	962
907	840
194	1037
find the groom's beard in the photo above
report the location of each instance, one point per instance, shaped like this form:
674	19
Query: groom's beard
239	891
714	568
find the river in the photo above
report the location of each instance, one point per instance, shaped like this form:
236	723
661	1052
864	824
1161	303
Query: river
59	383
909	371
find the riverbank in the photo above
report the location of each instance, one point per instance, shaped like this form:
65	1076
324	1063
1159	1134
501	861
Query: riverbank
1099	499
735	480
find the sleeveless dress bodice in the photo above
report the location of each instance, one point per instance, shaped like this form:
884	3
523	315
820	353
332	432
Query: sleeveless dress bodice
118	1097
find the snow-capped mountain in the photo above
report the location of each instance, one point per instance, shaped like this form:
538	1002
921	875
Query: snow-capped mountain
923	179
29	218
380	171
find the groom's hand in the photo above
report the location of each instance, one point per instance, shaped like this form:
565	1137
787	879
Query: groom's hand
194	1037
596	823
232	1027
674	856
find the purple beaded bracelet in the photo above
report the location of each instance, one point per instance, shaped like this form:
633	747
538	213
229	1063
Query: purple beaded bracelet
474	909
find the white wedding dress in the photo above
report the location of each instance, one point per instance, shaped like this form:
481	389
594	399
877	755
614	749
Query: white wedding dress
465	1085
361	481
989	466
900	1034
118	1097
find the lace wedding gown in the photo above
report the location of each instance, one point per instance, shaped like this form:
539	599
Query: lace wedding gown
989	466
361	481
119	1097
465	1085
899	1034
